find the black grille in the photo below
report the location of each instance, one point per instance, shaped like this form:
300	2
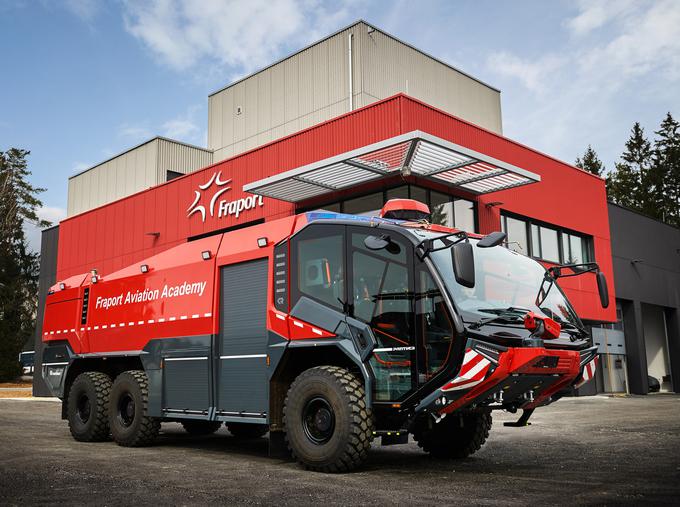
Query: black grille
86	300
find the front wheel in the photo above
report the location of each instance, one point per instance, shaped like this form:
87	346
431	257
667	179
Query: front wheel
456	436
328	427
130	426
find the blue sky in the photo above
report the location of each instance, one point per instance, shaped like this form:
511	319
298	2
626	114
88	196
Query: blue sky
83	80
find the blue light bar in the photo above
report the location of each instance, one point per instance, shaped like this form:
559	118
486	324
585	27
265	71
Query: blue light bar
329	215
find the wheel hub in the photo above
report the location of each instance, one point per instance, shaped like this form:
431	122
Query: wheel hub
126	410
83	408
318	420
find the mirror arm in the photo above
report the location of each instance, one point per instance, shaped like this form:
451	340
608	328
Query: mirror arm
556	271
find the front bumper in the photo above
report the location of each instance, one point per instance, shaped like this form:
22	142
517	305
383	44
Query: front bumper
510	378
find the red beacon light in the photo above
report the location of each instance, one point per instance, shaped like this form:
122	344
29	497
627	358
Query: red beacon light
543	327
405	209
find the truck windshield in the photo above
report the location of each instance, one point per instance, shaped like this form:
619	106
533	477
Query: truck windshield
503	279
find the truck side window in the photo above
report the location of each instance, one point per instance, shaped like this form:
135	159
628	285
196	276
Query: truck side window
319	263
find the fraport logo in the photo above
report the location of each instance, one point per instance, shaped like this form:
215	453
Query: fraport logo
224	207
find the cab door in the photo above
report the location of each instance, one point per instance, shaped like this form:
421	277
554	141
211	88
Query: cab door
381	294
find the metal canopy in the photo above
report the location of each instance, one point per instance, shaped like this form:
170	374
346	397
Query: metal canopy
413	154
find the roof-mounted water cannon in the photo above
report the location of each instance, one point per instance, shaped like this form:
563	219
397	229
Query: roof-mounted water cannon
405	209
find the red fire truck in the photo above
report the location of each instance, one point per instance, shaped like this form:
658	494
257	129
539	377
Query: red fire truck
326	330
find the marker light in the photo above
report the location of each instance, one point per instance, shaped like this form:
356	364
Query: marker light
262	242
144	268
206	255
62	285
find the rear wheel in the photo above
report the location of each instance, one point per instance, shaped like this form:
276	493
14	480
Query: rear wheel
328	427
245	430
87	407
130	426
456	436
197	427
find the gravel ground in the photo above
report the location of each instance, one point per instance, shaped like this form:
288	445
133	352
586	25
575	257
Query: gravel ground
584	451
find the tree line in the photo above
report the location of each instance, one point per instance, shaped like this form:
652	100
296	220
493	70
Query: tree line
647	177
19	267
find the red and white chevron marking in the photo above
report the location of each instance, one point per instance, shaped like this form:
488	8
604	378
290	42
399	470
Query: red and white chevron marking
588	372
474	370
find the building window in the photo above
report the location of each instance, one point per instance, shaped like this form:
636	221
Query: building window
517	235
546	242
447	210
367	205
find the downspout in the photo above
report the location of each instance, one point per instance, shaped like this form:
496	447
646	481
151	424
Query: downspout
351	76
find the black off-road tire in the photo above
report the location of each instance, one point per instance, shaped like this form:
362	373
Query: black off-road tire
457	436
198	428
133	428
245	430
341	395
87	407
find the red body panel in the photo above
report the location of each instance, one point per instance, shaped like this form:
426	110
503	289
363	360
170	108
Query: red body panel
521	361
176	296
118	234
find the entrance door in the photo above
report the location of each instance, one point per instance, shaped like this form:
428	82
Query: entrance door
242	387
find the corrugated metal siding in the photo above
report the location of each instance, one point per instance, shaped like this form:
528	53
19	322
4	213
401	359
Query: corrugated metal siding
312	86
116	235
130	172
306	89
179	158
137	169
121	227
565	197
389	67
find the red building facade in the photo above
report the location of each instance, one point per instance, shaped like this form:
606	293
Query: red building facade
567	205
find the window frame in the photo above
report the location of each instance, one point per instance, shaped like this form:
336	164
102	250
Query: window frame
410	187
536	251
320	230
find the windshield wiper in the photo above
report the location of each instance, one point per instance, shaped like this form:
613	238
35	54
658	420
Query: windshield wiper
570	328
511	314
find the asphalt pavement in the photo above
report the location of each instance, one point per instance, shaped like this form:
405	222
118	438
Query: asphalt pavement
584	451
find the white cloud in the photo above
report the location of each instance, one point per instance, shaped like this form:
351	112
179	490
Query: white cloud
594	14
240	34
80	167
533	74
184	127
33	232
615	56
86	10
180	129
134	133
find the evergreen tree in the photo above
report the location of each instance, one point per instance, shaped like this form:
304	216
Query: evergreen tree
18	266
632	184
666	168
590	162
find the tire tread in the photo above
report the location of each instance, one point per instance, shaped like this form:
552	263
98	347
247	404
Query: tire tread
361	431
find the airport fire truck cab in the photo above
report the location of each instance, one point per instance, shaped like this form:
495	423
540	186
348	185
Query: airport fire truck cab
324	329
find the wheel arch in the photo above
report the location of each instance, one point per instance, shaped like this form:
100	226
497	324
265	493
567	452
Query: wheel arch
112	366
300	357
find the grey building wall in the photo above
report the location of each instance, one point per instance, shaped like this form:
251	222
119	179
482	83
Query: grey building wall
313	85
646	255
132	171
48	277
